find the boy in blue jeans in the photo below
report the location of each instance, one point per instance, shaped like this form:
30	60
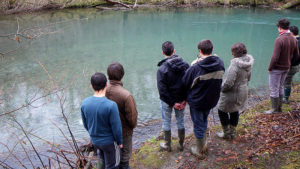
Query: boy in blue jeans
101	119
203	83
171	92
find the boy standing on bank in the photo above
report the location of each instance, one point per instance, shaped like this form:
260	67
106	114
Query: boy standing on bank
169	83
100	118
203	83
127	109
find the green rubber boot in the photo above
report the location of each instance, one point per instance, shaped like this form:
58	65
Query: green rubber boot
274	106
280	103
225	134
200	149
232	131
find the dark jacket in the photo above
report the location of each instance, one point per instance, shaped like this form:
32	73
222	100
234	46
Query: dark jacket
296	59
285	48
169	83
126	105
203	83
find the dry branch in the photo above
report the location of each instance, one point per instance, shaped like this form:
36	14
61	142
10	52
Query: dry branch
25	133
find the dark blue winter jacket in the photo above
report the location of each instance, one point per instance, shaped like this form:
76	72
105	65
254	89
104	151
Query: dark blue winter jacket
203	82
296	59
169	79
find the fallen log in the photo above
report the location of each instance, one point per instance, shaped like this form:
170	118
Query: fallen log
290	4
119	3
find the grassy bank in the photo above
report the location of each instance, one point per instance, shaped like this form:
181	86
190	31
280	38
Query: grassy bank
15	6
262	141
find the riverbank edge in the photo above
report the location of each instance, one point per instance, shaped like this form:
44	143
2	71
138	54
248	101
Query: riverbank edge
276	5
148	155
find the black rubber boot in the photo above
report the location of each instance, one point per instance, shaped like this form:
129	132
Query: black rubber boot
166	144
181	136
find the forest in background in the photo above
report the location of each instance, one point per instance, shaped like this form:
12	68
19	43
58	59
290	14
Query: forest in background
16	6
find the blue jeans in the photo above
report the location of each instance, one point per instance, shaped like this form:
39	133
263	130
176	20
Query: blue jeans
199	119
166	113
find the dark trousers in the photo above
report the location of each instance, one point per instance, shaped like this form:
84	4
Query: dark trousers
127	149
110	155
229	118
199	119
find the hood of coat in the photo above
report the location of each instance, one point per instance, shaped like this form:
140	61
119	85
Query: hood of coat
210	63
245	62
164	60
175	63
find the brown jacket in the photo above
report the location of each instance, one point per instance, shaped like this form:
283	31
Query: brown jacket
285	47
126	105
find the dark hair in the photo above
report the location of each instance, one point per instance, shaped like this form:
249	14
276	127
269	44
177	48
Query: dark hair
283	23
115	71
205	46
294	30
168	48
98	81
238	50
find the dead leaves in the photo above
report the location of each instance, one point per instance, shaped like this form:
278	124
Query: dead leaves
271	133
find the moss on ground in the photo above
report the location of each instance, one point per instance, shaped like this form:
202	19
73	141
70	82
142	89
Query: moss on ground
148	155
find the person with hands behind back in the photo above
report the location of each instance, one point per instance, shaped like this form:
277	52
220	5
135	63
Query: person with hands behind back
172	95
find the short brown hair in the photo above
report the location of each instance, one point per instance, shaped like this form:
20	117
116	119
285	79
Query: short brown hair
283	23
238	50
206	46
115	71
98	81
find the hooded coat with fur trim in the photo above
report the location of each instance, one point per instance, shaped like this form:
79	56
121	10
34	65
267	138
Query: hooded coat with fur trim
234	92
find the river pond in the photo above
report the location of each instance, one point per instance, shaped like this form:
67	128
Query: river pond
71	45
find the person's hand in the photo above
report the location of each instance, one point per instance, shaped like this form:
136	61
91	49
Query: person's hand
177	106
121	145
180	106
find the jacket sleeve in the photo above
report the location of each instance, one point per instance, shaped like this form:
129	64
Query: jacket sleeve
131	111
83	119
116	124
229	81
187	79
162	85
276	54
297	54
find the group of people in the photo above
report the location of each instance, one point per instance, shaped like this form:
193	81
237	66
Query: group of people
200	85
110	115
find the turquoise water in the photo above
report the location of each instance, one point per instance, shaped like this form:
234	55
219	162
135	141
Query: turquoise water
72	51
